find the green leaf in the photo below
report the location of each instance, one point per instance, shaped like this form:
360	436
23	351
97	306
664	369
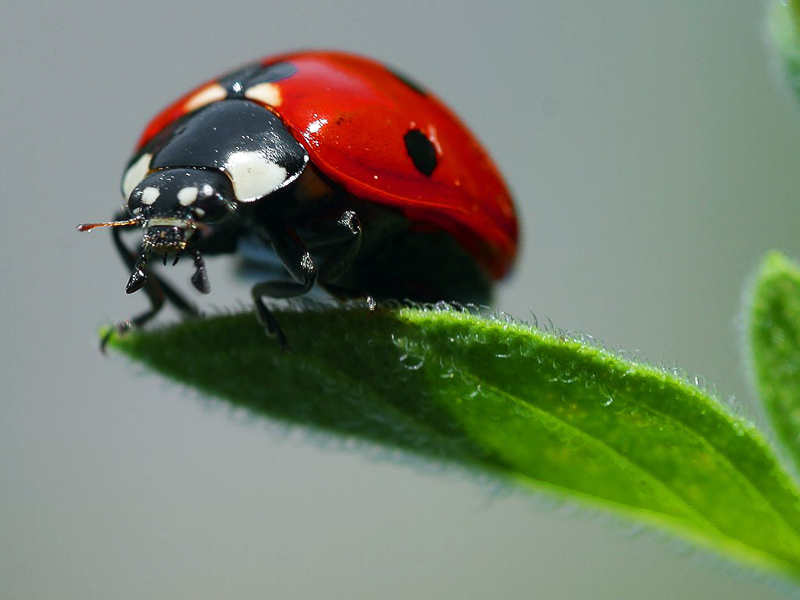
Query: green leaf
545	410
784	27
775	346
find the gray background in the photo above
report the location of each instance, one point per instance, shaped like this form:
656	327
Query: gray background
654	162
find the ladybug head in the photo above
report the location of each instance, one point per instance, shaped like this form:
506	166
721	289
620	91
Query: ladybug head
172	205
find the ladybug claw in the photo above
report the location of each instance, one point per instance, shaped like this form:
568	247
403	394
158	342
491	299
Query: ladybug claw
270	325
120	329
274	331
104	341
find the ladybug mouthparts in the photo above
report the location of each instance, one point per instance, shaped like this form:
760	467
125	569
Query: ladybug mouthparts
169	238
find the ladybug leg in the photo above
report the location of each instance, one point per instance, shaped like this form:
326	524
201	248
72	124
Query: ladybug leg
346	236
342	243
156	288
297	259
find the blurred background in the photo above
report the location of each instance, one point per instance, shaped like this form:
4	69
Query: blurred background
654	162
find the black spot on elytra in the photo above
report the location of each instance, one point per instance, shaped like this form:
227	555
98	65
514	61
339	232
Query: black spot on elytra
238	81
421	151
409	82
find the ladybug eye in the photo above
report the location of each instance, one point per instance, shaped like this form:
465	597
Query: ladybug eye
134	206
205	202
142	197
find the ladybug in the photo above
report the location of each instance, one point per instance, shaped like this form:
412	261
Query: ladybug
353	176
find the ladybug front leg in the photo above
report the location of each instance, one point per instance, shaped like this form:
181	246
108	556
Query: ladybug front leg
155	287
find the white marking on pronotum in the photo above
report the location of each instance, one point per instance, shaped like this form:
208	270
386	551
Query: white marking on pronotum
266	93
187	195
135	174
253	175
150	194
213	92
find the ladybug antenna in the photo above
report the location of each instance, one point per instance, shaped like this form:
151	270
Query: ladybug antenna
90	226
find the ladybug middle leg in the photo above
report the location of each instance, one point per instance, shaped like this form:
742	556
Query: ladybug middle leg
340	241
297	259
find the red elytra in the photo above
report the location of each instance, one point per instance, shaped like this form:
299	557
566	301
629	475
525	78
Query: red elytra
351	114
